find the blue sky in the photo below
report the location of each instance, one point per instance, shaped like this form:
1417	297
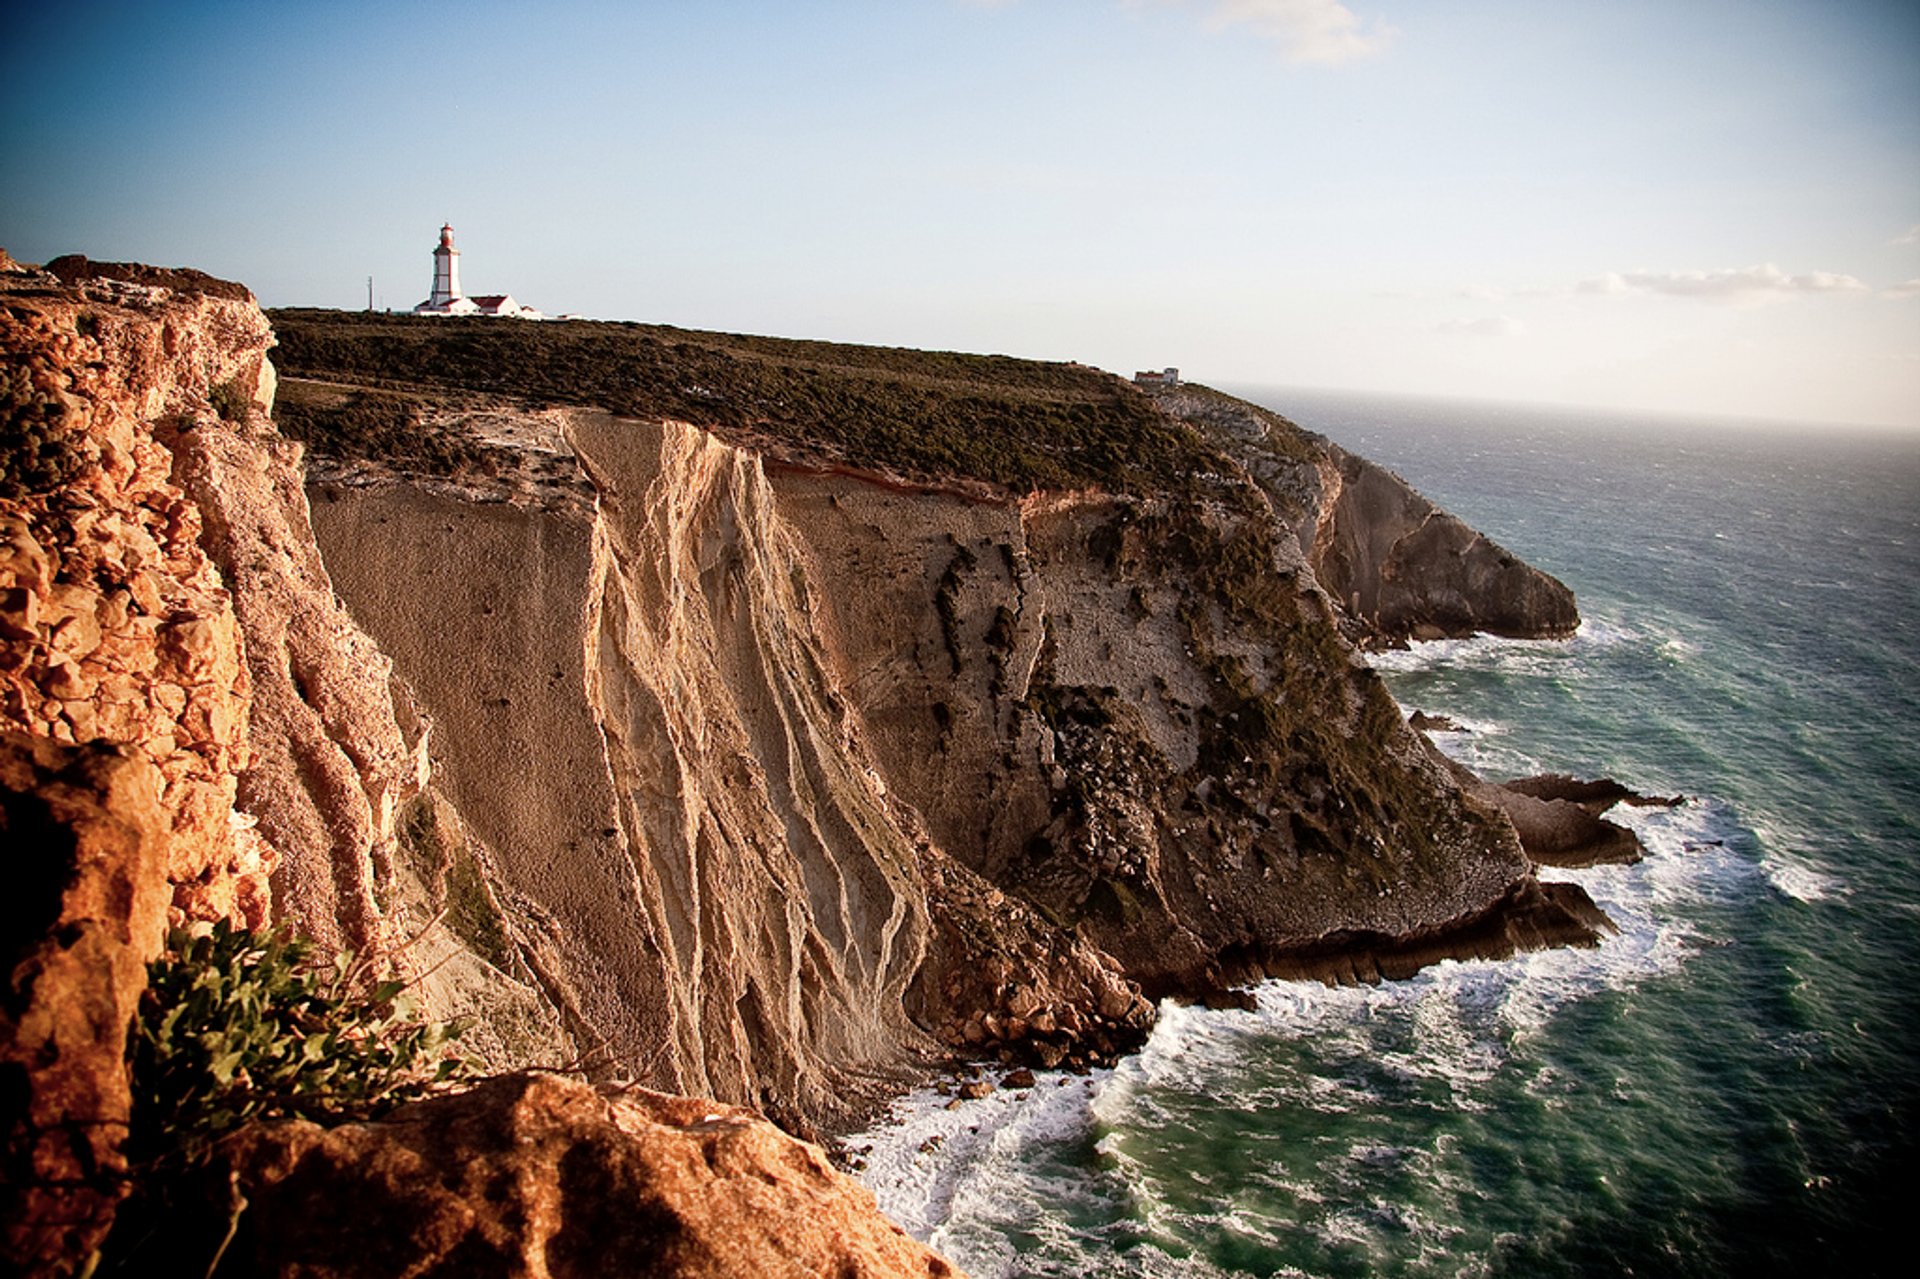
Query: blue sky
1699	207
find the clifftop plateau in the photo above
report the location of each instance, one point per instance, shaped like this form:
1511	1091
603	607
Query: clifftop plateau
755	719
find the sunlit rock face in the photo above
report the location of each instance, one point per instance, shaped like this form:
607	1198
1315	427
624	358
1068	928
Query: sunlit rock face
118	626
948	765
537	1175
86	907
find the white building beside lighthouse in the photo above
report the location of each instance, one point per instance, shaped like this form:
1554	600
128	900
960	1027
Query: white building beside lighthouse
447	299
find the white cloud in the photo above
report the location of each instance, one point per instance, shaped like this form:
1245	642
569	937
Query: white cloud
1489	326
1305	30
1904	289
1742	284
1912	236
1323	31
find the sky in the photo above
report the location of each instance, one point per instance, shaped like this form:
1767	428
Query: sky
1689	206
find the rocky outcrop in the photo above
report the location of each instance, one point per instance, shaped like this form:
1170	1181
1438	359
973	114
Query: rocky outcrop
160	588
85	911
533	1175
117	625
1409	570
999	981
1559	818
1396	566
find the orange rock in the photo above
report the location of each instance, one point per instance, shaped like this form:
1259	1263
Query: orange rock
88	892
541	1175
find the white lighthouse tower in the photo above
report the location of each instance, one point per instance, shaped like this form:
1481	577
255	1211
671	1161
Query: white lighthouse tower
447	298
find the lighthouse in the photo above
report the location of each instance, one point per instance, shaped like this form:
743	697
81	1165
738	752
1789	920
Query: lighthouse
447	299
446	269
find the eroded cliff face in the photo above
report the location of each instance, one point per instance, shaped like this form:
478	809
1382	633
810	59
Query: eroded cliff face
1137	715
939	763
641	722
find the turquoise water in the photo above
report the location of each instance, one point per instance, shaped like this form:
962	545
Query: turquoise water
1730	1086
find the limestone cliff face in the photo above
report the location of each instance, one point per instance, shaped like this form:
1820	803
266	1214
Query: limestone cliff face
636	714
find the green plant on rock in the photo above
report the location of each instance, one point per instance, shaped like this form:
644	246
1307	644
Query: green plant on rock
238	1026
229	400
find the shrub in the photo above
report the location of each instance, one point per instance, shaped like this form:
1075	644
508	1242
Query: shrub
237	1026
37	453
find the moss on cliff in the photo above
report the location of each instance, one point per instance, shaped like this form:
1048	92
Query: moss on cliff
1024	424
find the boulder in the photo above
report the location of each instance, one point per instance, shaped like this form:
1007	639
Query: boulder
534	1174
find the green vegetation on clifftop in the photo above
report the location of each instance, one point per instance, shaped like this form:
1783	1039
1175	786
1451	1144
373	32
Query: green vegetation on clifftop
1023	424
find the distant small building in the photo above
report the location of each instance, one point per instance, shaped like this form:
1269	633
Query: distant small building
501	304
1157	377
447	299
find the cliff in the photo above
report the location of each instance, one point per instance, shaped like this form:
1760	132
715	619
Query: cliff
195	730
1018	631
751	719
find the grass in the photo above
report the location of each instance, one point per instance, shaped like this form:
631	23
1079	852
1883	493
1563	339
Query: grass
1021	424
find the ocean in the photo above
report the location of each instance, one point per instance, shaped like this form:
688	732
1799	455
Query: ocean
1730	1086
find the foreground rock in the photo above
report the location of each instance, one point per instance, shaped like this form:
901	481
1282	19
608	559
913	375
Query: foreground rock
535	1175
84	912
1596	795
